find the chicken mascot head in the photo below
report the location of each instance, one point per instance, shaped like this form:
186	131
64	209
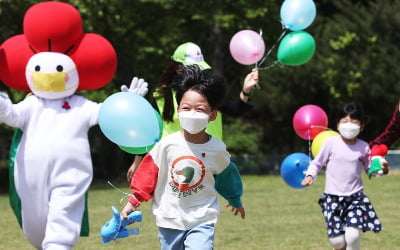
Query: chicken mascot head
53	59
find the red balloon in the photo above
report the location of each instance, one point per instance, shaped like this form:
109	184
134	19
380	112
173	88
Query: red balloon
96	61
14	55
309	121
57	27
53	26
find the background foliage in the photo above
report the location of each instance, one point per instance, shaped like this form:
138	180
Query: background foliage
356	59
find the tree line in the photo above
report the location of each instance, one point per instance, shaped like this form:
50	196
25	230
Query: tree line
355	59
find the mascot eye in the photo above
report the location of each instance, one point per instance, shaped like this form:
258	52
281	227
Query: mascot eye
37	68
60	68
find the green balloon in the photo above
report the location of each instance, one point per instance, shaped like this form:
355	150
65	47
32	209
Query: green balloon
296	48
138	150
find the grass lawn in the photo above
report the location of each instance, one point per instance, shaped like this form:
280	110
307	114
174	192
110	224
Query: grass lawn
277	217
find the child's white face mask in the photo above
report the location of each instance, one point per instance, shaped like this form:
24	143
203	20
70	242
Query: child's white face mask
193	122
349	130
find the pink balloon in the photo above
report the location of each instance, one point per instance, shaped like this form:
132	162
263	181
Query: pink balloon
309	121
247	47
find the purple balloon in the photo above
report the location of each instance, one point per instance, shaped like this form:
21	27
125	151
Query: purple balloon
247	47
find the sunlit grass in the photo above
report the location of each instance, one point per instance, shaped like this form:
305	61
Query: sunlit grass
277	217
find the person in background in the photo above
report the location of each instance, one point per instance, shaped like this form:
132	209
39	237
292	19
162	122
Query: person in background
185	170
383	141
391	132
345	207
163	97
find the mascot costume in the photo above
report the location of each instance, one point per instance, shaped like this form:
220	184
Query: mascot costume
53	59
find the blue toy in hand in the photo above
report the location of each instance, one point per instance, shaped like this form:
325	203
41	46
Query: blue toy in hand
116	227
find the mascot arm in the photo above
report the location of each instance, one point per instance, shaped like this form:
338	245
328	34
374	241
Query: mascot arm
7	113
15	115
138	86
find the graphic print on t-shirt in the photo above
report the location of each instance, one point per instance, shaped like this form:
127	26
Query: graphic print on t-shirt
187	173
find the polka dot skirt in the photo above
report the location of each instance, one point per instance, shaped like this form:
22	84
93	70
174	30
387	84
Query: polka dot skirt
352	211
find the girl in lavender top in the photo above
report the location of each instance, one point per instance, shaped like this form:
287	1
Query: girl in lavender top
345	207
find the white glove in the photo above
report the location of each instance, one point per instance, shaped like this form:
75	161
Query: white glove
5	106
138	86
4	100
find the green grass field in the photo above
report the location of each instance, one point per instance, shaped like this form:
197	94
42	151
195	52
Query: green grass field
277	217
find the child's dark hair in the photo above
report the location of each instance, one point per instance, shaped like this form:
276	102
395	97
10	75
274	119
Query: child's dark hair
201	81
354	110
164	90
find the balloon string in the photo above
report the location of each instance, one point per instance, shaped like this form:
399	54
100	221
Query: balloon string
309	146
260	34
273	46
276	63
315	126
309	138
125	193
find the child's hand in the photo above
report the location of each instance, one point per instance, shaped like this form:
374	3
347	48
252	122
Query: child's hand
307	181
129	207
385	167
237	210
250	81
379	165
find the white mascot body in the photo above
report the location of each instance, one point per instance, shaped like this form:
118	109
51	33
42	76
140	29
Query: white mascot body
53	167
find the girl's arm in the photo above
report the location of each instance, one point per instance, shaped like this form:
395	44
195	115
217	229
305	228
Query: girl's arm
319	161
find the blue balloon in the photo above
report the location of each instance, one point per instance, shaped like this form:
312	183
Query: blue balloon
129	120
142	150
297	14
293	169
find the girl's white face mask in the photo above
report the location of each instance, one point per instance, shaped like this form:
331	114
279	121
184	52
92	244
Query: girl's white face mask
193	122
349	130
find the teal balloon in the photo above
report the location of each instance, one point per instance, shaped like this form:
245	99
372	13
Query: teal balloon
129	120
145	149
296	48
298	14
